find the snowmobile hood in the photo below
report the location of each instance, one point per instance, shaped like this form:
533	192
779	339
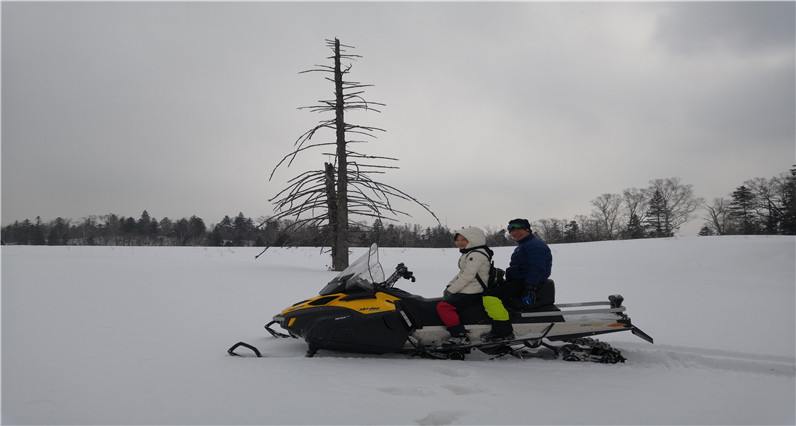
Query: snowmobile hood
475	236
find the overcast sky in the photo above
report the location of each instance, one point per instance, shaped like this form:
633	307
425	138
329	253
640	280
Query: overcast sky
495	110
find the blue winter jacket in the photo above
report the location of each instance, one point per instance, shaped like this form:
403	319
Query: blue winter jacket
531	262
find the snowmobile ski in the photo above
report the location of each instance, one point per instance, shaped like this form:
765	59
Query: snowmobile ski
232	352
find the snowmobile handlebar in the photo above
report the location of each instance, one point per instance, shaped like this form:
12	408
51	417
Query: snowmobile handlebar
401	271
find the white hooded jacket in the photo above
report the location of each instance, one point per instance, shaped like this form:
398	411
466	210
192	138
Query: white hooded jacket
471	263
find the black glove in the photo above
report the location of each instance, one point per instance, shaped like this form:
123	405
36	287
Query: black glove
529	295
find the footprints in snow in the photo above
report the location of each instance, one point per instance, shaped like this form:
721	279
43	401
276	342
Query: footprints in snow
443	390
408	391
439	418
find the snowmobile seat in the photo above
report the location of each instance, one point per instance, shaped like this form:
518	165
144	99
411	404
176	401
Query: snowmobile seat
544	300
423	311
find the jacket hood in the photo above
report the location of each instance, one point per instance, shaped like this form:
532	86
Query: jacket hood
475	236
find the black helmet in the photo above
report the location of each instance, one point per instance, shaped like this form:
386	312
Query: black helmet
519	224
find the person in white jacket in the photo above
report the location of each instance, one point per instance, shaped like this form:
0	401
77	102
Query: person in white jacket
465	289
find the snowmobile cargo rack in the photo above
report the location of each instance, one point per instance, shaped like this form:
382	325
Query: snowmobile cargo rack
615	306
574	312
614	301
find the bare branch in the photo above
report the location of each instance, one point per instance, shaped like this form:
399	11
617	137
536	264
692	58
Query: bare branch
346	188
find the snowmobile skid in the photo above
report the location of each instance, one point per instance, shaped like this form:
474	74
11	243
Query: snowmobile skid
580	349
361	311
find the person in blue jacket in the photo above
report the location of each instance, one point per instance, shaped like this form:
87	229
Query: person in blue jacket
526	279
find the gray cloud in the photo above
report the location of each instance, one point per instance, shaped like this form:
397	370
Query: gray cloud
184	108
697	28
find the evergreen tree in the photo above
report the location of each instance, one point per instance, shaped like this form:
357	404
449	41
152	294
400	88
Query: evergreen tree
242	229
112	228
181	231
144	224
572	232
499	238
742	211
147	228
59	232
128	227
788	216
197	230
550	231
658	218
166	228
89	230
438	237
376	231
706	231
24	233
635	203
635	229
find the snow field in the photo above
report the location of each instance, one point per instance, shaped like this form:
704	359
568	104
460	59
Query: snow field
138	335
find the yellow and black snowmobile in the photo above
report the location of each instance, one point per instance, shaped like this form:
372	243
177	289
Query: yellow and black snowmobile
361	311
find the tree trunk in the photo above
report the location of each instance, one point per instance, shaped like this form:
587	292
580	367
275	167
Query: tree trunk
331	205
340	250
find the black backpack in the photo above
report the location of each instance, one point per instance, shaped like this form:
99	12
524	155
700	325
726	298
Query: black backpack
495	278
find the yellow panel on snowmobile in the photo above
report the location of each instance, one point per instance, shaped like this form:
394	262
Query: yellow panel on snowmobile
380	302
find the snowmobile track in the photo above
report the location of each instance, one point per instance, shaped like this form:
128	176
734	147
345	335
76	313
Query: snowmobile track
674	357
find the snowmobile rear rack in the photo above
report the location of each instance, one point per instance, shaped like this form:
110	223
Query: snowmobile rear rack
614	306
573	312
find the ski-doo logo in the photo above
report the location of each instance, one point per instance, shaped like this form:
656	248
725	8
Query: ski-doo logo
594	324
371	308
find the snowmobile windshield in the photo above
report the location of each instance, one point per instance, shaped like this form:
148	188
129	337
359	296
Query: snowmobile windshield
361	274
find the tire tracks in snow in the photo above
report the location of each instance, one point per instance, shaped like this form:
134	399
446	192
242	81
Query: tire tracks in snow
637	354
700	358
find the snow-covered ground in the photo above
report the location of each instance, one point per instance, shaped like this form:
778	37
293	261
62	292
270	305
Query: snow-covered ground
135	335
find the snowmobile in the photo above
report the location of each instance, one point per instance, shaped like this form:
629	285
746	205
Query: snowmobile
361	311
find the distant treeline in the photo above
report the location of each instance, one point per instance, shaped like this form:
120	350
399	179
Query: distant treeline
759	206
241	231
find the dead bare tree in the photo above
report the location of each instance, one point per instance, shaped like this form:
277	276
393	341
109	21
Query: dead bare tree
719	213
328	199
606	214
